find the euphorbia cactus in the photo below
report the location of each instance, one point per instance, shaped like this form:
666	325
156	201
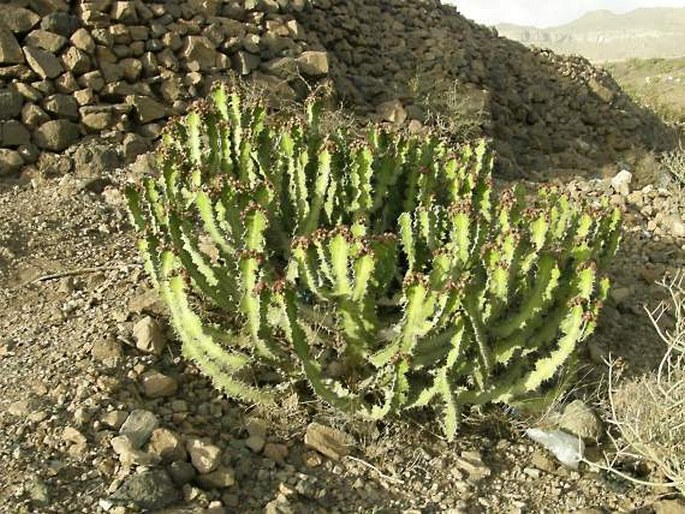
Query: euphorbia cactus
390	257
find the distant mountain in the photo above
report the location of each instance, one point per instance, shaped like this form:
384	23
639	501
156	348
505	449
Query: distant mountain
604	36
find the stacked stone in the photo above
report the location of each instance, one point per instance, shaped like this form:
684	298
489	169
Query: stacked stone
120	68
545	110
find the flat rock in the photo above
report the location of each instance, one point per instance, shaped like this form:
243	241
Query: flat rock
107	350
472	463
331	442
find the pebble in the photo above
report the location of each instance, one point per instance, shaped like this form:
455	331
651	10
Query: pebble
158	385
139	426
149	336
205	456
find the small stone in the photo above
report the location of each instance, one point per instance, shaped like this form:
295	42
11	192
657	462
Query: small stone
107	350
139	426
167	445
147	109
244	63
114	419
10	51
38	493
675	225
472	463
313	63
669	507
125	12
11	162
61	106
204	456
256	427
148	490
182	472
72	435
158	385
331	442
219	479
255	443
56	135
579	419
543	462
43	63
20	408
129	455
276	452
199	50
621	182
82	40
147	332
392	112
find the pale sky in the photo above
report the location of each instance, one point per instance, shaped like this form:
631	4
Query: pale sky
547	13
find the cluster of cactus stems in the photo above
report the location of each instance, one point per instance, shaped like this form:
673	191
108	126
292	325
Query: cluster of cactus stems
389	259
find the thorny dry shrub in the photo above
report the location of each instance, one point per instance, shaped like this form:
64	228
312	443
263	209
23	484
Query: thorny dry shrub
454	109
649	411
674	162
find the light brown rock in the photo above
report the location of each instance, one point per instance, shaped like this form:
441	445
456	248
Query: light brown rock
220	479
147	332
331	442
43	63
313	63
167	445
158	385
205	456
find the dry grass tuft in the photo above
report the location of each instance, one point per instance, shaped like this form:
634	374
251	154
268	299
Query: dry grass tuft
649	411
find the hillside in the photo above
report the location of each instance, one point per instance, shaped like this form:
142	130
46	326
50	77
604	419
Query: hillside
604	36
657	83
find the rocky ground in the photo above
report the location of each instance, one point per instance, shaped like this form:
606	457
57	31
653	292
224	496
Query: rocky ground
99	413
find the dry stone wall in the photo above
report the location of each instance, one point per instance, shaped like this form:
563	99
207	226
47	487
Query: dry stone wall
116	69
545	110
120	68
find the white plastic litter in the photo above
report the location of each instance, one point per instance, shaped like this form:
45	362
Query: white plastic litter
569	449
